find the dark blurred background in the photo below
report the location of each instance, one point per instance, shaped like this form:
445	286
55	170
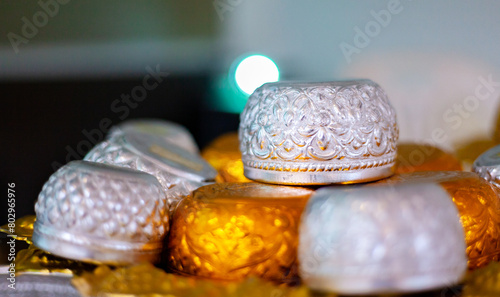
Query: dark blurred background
64	65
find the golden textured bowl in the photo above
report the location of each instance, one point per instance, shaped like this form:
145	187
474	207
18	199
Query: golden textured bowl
224	155
230	231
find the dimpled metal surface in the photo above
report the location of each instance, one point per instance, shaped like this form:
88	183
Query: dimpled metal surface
139	148
95	212
318	133
117	151
384	239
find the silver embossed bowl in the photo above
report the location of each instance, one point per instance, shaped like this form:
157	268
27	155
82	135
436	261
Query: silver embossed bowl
178	170
384	239
171	132
487	165
101	213
318	133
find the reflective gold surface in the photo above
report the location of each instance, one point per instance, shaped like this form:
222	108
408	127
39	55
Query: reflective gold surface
233	230
23	229
414	157
224	155
147	280
484	282
479	207
36	260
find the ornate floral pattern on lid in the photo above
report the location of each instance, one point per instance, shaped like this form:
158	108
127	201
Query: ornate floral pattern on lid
318	133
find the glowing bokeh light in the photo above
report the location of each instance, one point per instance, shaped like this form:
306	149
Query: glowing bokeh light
254	71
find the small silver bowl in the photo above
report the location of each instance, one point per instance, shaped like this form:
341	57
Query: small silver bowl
487	165
381	239
318	133
171	132
101	213
177	170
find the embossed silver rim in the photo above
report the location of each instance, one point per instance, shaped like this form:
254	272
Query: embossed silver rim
86	249
320	178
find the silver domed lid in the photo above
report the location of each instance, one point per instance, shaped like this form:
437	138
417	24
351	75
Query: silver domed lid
318	133
381	239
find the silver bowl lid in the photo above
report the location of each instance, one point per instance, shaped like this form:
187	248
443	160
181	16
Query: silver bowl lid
383	239
154	155
101	213
318	133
